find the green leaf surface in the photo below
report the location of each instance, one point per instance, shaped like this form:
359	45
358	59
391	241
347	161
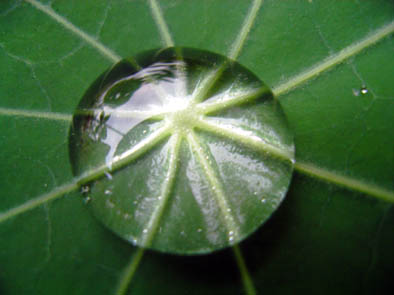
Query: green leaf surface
330	65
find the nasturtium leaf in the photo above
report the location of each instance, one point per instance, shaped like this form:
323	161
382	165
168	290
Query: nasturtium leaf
185	151
333	232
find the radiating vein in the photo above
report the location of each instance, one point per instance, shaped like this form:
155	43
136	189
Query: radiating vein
131	114
33	203
161	24
36	114
127	114
105	51
210	107
117	163
212	77
216	187
125	158
129	272
243	34
154	221
246	278
334	60
206	84
244	138
345	181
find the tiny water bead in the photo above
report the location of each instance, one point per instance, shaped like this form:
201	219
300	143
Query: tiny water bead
363	90
186	153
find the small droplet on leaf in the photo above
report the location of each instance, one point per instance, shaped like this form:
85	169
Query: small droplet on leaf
364	90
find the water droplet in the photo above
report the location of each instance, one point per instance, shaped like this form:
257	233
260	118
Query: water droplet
121	133
363	90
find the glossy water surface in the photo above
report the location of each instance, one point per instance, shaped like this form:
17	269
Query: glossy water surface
194	153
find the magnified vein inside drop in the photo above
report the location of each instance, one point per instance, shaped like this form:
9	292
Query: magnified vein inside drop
199	153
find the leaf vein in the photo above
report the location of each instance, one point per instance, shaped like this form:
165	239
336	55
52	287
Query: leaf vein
244	32
216	187
252	141
154	220
161	24
105	51
129	272
210	107
334	60
117	163
246	278
345	181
